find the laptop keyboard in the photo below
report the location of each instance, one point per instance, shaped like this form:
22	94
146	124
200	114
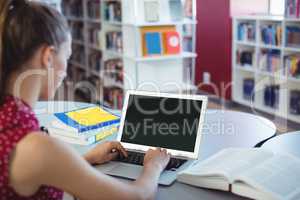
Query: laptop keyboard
138	159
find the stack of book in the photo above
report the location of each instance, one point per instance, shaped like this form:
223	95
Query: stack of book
84	126
269	60
292	65
246	32
292	8
271	34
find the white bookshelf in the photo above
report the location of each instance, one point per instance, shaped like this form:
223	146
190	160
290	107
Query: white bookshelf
156	72
261	77
138	70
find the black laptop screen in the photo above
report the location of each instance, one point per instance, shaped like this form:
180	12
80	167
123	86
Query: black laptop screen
169	123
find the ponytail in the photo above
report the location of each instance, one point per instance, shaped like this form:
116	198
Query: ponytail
25	26
4	9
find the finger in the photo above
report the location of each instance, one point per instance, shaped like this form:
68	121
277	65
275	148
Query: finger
112	156
164	151
122	150
158	149
119	147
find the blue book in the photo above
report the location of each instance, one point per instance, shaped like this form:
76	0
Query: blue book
153	43
87	119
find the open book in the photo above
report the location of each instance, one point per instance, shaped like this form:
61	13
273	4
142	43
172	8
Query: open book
252	173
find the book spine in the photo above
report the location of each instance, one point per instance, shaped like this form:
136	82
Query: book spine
100	136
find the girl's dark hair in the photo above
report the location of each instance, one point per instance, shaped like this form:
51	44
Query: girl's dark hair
24	27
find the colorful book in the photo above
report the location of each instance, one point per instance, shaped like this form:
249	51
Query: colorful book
172	42
153	43
87	119
84	126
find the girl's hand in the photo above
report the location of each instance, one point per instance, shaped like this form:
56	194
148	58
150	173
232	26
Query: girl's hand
158	158
105	152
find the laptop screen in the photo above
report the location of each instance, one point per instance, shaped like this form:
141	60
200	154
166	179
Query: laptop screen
169	123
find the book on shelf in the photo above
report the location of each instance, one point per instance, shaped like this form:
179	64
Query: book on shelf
76	30
78	54
113	97
293	36
153	43
292	8
172	43
292	65
271	96
252	173
176	10
188	34
269	60
94	60
86	126
114	41
94	36
188	8
96	82
93	9
246	31
113	11
160	40
271	34
245	57
295	102
113	70
72	8
248	89
151	10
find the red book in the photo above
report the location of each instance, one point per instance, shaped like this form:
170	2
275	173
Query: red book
172	42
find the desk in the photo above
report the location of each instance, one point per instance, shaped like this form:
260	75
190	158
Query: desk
222	129
289	142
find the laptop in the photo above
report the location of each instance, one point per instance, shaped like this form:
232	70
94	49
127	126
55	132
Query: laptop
150	120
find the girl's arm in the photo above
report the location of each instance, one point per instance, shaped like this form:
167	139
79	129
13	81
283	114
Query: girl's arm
41	160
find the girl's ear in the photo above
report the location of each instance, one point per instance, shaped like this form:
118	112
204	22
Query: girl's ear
47	57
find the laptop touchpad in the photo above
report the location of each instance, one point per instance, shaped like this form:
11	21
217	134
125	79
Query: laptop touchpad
126	170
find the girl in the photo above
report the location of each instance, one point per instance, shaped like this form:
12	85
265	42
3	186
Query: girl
35	44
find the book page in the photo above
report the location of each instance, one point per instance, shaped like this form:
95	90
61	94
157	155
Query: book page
278	176
230	162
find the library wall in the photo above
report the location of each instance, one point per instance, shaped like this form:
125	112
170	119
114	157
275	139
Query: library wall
214	46
245	7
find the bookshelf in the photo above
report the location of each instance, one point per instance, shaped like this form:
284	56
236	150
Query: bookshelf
54	3
265	66
108	48
161	72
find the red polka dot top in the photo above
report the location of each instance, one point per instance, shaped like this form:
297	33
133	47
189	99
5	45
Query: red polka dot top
16	121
